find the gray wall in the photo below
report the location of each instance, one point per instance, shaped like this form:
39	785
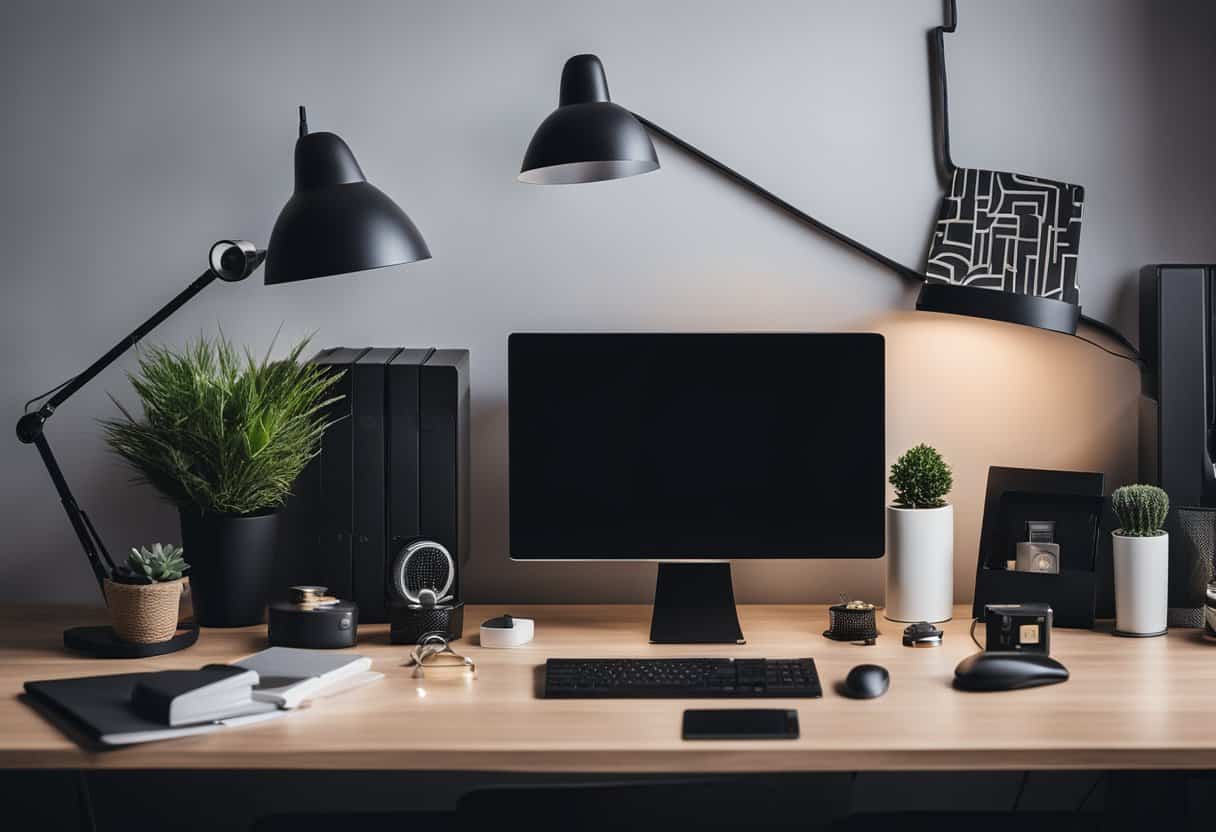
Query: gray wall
136	133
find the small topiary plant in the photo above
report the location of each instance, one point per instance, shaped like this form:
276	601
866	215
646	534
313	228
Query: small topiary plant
1141	510
159	564
922	479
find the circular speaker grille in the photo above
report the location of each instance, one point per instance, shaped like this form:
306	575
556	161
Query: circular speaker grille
424	564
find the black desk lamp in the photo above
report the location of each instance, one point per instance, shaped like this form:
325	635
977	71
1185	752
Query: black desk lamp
336	222
588	138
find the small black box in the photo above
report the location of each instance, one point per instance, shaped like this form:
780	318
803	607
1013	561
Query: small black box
1018	628
409	623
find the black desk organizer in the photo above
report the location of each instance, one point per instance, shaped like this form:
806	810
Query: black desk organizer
1073	499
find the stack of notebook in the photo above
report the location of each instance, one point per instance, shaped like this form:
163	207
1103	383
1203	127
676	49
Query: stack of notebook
142	707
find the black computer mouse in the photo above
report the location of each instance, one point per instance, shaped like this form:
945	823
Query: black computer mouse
997	670
866	681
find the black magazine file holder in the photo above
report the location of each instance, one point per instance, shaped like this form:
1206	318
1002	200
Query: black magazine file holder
1071	498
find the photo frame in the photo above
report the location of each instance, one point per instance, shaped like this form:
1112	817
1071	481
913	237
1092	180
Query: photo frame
1022	503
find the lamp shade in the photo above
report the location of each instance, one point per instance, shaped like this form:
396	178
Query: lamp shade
997	305
587	138
336	221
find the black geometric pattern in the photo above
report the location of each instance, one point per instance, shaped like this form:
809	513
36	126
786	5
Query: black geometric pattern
1009	232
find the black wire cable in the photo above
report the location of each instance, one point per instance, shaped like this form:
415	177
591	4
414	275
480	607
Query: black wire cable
937	42
88	819
1110	332
47	394
1132	358
1098	779
1017	800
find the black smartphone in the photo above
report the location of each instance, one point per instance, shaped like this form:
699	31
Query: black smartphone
741	724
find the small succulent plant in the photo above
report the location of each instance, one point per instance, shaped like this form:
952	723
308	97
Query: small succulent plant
922	479
1141	510
162	562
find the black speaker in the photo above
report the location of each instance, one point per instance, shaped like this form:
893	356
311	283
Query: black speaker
1176	406
422	586
1178	418
393	470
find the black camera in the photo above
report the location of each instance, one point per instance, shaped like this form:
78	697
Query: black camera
1018	628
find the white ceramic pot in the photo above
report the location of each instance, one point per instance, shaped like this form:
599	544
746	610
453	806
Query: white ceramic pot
920	564
1142	575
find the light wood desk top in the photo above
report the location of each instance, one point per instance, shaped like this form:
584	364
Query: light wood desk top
1130	704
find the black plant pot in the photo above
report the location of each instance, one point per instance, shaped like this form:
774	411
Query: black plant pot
231	558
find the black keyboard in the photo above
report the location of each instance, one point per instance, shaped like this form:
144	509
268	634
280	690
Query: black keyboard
680	678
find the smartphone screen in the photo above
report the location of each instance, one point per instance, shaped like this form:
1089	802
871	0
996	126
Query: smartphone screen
741	724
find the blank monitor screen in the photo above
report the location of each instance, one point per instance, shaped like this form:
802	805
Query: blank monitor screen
689	446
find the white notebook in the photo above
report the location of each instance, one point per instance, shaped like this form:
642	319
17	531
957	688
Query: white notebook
291	675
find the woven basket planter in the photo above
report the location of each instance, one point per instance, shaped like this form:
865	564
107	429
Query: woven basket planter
144	613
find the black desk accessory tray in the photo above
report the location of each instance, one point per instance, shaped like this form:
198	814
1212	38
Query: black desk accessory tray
100	642
1073	497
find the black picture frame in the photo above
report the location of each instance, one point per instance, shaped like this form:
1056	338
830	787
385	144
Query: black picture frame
1074	500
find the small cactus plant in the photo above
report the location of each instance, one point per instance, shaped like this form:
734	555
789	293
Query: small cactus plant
922	479
1141	510
161	563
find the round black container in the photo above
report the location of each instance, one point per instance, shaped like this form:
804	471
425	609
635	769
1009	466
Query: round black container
317	628
231	557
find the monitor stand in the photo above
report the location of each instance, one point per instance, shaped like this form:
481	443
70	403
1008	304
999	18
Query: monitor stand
694	603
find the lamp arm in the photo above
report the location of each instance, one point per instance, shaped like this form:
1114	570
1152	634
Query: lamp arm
111	355
800	215
94	549
823	228
230	261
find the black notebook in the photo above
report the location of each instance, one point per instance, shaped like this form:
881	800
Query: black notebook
98	709
188	697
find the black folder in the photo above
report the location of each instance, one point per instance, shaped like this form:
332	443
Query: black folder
96	711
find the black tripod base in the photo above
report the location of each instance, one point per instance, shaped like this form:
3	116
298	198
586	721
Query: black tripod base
101	643
694	603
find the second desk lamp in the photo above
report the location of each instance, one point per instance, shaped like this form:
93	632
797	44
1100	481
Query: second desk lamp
588	138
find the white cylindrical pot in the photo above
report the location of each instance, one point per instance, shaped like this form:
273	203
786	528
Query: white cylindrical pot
1142	580
920	564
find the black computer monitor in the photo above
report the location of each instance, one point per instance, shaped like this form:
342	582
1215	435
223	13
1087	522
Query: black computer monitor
694	450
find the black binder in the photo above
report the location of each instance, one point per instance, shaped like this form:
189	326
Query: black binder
370	541
404	451
333	556
444	468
